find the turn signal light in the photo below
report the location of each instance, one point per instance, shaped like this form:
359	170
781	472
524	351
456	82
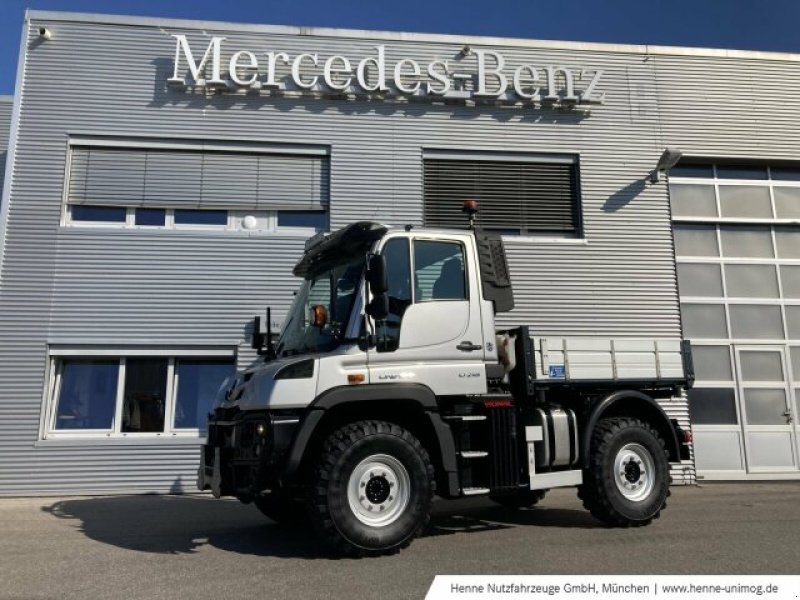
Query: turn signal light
356	378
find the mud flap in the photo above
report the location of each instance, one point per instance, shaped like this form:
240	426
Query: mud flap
214	482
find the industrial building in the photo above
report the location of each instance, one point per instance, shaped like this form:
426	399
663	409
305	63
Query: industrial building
162	177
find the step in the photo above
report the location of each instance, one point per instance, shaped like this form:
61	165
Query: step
473	454
475	491
465	417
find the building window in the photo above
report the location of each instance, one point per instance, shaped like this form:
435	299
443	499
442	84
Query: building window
150	217
737	245
517	194
317	219
201	217
99	214
228	186
120	396
289	222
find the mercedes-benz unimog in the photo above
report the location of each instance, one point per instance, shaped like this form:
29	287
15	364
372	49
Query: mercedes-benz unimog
391	383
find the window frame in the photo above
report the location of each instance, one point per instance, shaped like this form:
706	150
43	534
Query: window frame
716	225
57	356
412	251
232	225
578	236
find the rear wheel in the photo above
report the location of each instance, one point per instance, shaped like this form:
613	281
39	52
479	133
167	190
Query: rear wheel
521	499
627	482
373	489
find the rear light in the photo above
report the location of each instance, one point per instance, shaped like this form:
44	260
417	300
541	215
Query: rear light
687	437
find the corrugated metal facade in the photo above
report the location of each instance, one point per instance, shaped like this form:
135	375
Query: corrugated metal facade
5	127
104	287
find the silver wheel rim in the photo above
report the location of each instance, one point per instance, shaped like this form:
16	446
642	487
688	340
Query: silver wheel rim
634	472
378	490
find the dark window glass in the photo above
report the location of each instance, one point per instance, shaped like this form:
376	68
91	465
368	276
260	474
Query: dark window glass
318	219
712	406
200	217
398	273
145	395
438	271
741	172
155	217
88	394
198	382
104	214
692	171
785	173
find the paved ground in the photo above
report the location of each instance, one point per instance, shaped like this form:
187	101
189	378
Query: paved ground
192	546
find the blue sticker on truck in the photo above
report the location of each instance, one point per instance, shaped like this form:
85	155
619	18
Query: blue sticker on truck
557	372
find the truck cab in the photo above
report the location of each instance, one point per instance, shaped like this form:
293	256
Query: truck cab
391	382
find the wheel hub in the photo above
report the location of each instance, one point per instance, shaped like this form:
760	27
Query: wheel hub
634	472
378	490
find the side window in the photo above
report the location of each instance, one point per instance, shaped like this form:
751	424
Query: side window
398	271
439	271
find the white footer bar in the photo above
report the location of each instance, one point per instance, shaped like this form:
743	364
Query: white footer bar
631	587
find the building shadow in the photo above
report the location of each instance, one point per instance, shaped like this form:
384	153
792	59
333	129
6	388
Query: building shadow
183	524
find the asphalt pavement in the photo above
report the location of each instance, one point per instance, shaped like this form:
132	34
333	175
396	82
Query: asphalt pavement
194	546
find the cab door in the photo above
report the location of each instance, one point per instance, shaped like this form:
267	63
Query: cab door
433	334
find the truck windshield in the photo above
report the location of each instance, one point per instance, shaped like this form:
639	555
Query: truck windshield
335	288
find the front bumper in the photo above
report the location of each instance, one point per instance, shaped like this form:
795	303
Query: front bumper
245	452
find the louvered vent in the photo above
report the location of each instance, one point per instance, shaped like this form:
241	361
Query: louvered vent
514	196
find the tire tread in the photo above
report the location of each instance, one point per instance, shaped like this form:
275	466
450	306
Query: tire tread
333	448
591	491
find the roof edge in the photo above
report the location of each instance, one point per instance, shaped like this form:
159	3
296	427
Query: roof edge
398	36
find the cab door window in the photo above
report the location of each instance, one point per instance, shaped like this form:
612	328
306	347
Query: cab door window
439	271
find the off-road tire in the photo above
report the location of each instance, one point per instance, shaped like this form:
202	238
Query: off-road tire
600	492
521	499
281	508
330	509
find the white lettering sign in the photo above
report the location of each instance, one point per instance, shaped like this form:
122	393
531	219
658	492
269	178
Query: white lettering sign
473	74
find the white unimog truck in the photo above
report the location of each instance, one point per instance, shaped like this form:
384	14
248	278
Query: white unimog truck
390	383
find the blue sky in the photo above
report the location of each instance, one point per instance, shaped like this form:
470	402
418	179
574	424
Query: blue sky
744	24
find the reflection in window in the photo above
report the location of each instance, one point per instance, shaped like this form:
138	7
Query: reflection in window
438	271
88	394
145	395
197	384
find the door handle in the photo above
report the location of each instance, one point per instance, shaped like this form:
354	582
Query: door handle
468	346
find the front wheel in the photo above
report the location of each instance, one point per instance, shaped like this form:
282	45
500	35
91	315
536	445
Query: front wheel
373	489
627	482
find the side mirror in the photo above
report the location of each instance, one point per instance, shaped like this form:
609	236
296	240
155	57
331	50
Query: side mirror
319	316
378	308
376	275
